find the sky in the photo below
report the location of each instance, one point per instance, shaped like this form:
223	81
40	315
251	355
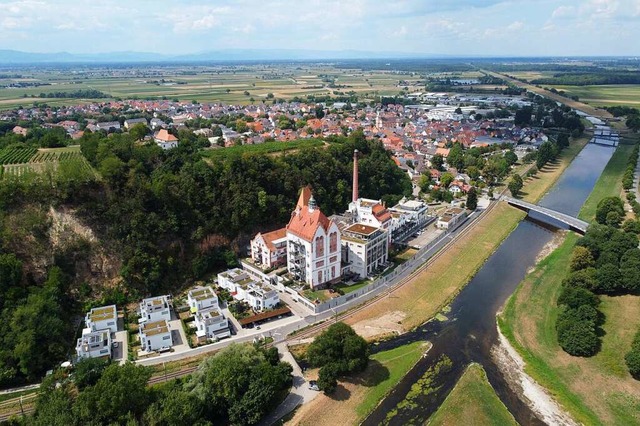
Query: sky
441	27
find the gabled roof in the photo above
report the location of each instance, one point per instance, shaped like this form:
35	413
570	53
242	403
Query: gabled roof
381	213
270	237
305	196
164	136
305	223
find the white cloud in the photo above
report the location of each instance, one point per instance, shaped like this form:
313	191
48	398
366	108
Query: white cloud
563	12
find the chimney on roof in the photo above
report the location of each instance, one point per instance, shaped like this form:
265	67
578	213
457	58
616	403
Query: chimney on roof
354	195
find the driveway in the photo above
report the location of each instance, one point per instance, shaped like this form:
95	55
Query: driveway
121	353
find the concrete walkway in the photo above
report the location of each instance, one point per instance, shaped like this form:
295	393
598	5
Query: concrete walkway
300	392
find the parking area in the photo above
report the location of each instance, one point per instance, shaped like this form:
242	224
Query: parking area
425	236
120	347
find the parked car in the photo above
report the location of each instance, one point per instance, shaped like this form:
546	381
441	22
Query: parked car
313	385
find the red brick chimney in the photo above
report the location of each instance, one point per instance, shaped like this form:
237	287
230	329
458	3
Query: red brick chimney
354	195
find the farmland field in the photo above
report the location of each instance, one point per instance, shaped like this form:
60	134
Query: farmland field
606	95
230	84
21	162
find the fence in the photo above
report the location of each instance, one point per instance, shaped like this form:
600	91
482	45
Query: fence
382	283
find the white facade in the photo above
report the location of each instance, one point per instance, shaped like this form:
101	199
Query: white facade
234	280
155	309
269	250
155	335
261	297
366	249
211	324
315	262
94	344
451	218
373	213
201	298
105	317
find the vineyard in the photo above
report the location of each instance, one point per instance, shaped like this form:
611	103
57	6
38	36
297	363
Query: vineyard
16	155
18	162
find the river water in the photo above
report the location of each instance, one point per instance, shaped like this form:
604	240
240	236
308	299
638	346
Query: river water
470	331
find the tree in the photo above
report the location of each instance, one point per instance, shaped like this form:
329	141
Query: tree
515	185
613	219
584	278
607	205
632	358
446	179
456	156
546	153
511	157
88	371
319	111
574	297
472	199
523	116
608	279
241	126
581	259
339	345
437	161
120	393
328	378
139	131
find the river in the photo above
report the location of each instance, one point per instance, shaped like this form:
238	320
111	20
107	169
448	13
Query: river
470	331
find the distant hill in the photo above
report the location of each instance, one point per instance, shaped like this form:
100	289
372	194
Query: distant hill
19	57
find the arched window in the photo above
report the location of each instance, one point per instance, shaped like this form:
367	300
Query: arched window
333	242
320	246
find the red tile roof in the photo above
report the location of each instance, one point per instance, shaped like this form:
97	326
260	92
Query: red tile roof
270	237
165	136
305	223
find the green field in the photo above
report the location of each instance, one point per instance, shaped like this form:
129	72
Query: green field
264	148
472	402
596	390
606	95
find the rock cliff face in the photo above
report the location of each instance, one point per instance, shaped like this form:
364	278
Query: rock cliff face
42	236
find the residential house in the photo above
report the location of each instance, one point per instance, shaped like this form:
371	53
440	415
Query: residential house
202	298
102	318
95	344
108	126
365	249
165	140
261	297
155	309
155	335
270	249
129	123
211	324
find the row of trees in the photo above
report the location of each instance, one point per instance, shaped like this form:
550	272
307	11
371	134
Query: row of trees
605	261
238	386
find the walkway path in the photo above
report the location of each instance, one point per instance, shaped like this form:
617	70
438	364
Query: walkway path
300	392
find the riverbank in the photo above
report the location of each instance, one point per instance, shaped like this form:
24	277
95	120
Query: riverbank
357	397
595	390
428	293
472	398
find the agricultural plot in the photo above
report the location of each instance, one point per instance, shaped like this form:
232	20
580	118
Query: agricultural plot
16	155
264	148
606	95
30	161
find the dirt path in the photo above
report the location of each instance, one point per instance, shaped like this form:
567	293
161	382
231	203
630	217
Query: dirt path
535	396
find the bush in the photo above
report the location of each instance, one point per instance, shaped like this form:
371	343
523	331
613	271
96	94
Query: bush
632	359
574	297
577	332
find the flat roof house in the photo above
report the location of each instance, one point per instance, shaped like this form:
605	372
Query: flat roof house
155	335
211	324
201	298
95	344
261	297
104	317
451	219
155	309
365	248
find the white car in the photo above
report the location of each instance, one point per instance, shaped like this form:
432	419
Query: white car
313	385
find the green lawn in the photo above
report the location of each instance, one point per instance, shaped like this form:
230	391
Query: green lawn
593	390
472	402
398	362
353	287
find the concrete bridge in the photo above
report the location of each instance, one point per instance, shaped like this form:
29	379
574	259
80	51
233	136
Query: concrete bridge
552	217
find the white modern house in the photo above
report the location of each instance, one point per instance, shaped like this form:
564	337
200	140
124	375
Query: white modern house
243	287
261	297
102	318
366	248
313	244
165	140
211	324
201	298
234	280
155	335
155	309
94	344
